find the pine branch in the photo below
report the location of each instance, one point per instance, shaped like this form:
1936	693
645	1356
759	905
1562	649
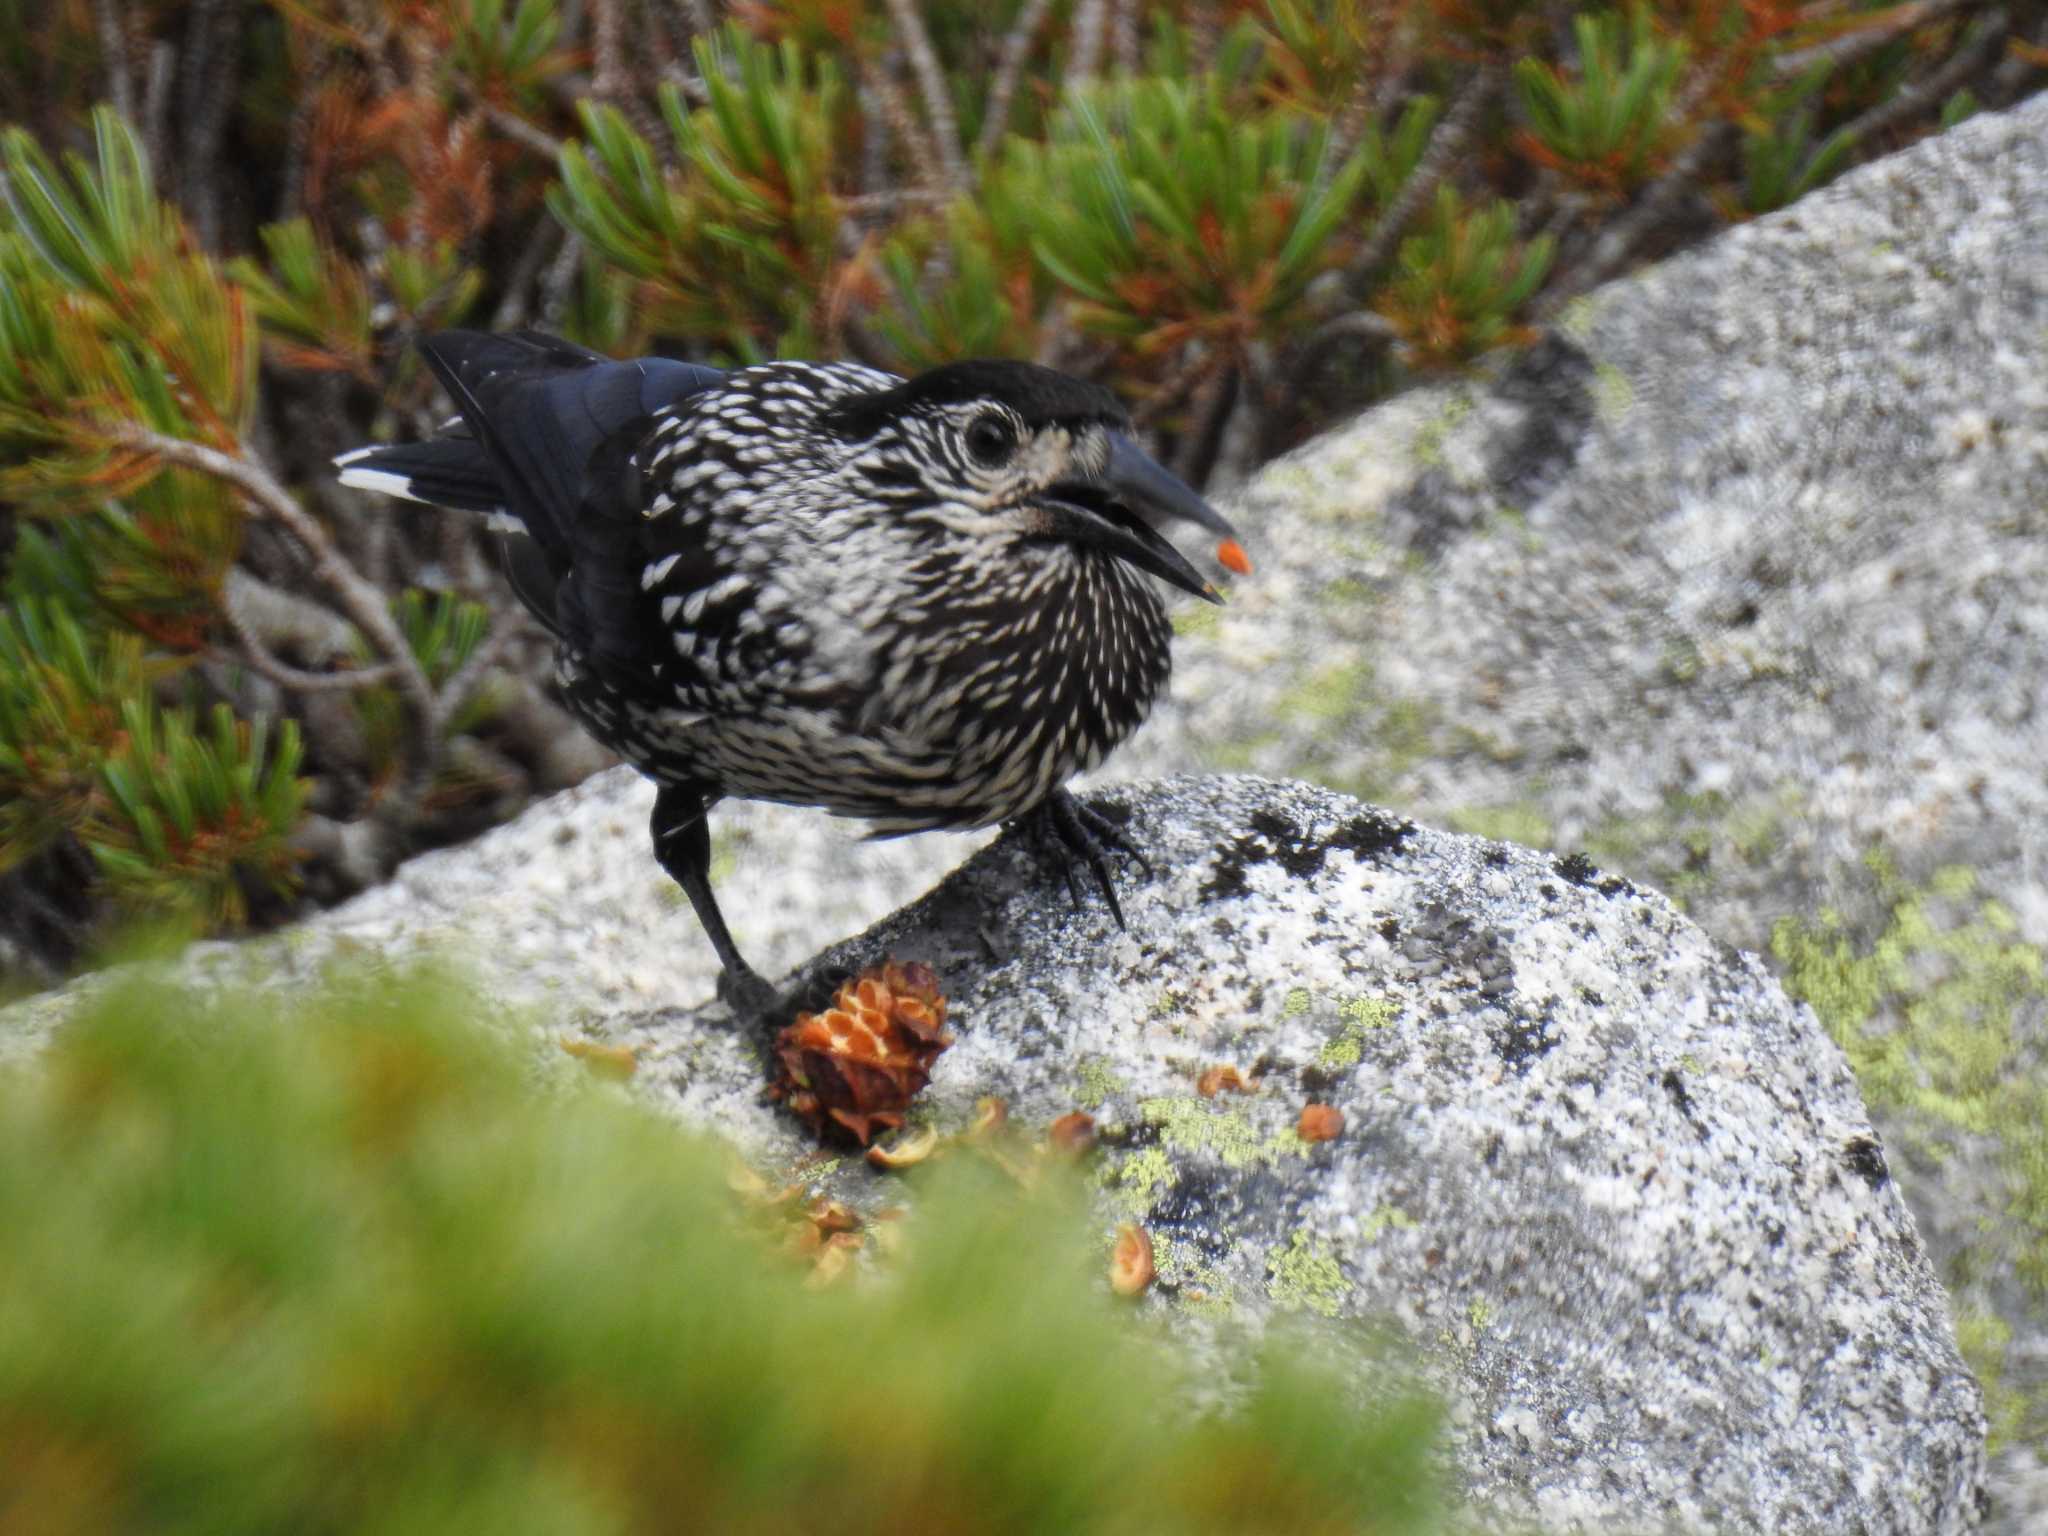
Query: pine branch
358	599
1445	146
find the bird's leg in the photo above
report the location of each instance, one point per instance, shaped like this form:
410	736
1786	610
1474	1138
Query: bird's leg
682	842
1075	832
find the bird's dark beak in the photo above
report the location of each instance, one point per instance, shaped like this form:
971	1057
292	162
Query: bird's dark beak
1116	513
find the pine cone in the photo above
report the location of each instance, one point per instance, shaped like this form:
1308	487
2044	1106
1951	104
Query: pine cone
854	1068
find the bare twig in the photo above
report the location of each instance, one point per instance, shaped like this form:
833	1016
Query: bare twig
213	40
363	604
1925	95
467	678
1016	52
1372	332
1084	33
931	84
1213	399
107	18
511	312
156	106
517	128
891	201
1445	146
1195	366
608	66
554	288
904	126
1851	46
1123	36
296	679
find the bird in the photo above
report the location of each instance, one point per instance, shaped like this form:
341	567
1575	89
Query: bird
924	602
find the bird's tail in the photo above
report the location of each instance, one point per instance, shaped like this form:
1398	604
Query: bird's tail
445	472
533	414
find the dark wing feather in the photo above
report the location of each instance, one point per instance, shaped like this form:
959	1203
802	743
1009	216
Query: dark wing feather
556	425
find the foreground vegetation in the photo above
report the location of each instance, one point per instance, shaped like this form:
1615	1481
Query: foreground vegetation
343	1266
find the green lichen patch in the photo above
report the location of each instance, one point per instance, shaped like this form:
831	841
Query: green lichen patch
1097	1082
1613	395
1929	1014
1204	1126
1385	1218
1137	1179
1305	1275
1361	1016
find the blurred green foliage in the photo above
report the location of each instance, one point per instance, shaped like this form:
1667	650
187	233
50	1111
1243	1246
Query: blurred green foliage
337	1265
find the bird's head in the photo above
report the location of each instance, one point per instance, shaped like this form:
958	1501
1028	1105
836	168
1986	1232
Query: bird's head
1013	450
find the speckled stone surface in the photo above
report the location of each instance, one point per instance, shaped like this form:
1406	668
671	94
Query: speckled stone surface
1735	583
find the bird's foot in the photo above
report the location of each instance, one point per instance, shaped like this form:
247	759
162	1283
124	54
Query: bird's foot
752	1000
1072	832
758	1005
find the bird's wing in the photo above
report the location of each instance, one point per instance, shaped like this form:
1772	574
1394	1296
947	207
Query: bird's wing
552	427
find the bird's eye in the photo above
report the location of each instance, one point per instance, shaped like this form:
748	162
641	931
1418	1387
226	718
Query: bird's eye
990	439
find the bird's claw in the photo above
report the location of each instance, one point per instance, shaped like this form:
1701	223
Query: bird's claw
1075	832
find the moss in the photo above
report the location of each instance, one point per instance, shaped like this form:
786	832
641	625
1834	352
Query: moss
1297	1002
1305	1275
1196	619
1361	1015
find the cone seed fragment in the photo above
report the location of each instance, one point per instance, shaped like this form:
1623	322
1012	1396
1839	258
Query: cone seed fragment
1072	1135
614	1061
908	1152
1130	1264
1320	1122
1216	1079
